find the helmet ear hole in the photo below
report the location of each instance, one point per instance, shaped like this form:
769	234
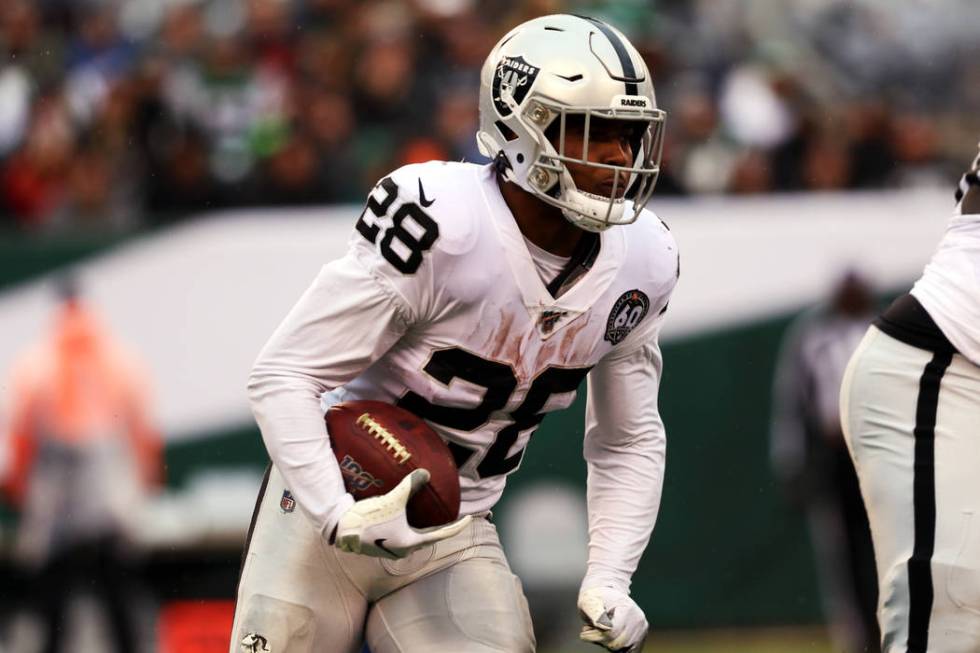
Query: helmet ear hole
506	132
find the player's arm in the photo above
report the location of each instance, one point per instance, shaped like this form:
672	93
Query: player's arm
355	310
625	449
343	322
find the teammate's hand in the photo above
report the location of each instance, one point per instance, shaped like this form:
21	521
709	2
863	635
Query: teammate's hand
612	619
379	526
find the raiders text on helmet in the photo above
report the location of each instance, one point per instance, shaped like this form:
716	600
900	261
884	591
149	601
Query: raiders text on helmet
549	71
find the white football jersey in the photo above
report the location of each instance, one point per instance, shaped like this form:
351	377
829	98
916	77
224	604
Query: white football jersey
439	308
949	289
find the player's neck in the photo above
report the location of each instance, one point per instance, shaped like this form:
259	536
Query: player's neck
542	224
971	201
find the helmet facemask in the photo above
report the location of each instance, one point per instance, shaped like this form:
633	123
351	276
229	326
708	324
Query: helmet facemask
549	177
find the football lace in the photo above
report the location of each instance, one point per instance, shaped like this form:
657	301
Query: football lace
385	436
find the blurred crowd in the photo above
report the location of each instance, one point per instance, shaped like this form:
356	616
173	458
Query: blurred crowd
118	114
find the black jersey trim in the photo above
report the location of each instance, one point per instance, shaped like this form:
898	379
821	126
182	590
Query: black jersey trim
583	256
907	321
251	527
629	71
924	502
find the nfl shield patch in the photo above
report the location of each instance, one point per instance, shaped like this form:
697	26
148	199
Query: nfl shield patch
549	319
287	503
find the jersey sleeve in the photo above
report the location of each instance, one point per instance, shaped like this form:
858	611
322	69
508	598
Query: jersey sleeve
625	452
625	440
659	273
355	310
394	240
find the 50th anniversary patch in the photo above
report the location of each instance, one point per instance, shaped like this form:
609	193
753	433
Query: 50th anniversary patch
627	312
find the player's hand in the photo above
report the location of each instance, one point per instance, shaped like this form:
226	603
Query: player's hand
612	619
379	526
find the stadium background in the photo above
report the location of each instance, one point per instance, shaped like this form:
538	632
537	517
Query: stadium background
161	149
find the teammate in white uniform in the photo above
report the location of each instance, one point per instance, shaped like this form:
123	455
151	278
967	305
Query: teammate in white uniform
479	298
910	407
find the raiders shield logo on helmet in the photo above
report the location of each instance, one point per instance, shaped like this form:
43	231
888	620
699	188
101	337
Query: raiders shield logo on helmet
629	309
515	76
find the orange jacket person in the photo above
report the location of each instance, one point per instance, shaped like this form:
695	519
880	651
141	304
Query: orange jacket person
81	456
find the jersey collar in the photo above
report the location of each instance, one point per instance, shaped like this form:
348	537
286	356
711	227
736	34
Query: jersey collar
549	313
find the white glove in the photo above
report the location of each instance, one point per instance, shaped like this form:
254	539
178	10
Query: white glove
612	619
379	526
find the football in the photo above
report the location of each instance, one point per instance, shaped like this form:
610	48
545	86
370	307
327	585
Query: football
378	444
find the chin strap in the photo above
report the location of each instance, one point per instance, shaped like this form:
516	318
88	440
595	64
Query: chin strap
501	164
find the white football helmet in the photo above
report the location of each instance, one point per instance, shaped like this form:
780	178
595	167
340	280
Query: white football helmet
557	68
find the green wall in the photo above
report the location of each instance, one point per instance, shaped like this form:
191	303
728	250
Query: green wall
25	256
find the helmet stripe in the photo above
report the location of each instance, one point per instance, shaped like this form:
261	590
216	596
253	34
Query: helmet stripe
629	72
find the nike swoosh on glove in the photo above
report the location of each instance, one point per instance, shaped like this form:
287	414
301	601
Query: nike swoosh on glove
378	526
612	619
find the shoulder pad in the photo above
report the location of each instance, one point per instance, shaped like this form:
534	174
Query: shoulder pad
650	242
449	193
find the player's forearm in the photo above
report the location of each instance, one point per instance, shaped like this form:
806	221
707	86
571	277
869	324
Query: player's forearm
289	416
624	488
343	322
625	448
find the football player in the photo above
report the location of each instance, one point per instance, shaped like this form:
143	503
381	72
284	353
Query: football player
910	407
479	298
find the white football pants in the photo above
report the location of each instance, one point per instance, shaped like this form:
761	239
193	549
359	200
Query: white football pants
299	594
911	419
